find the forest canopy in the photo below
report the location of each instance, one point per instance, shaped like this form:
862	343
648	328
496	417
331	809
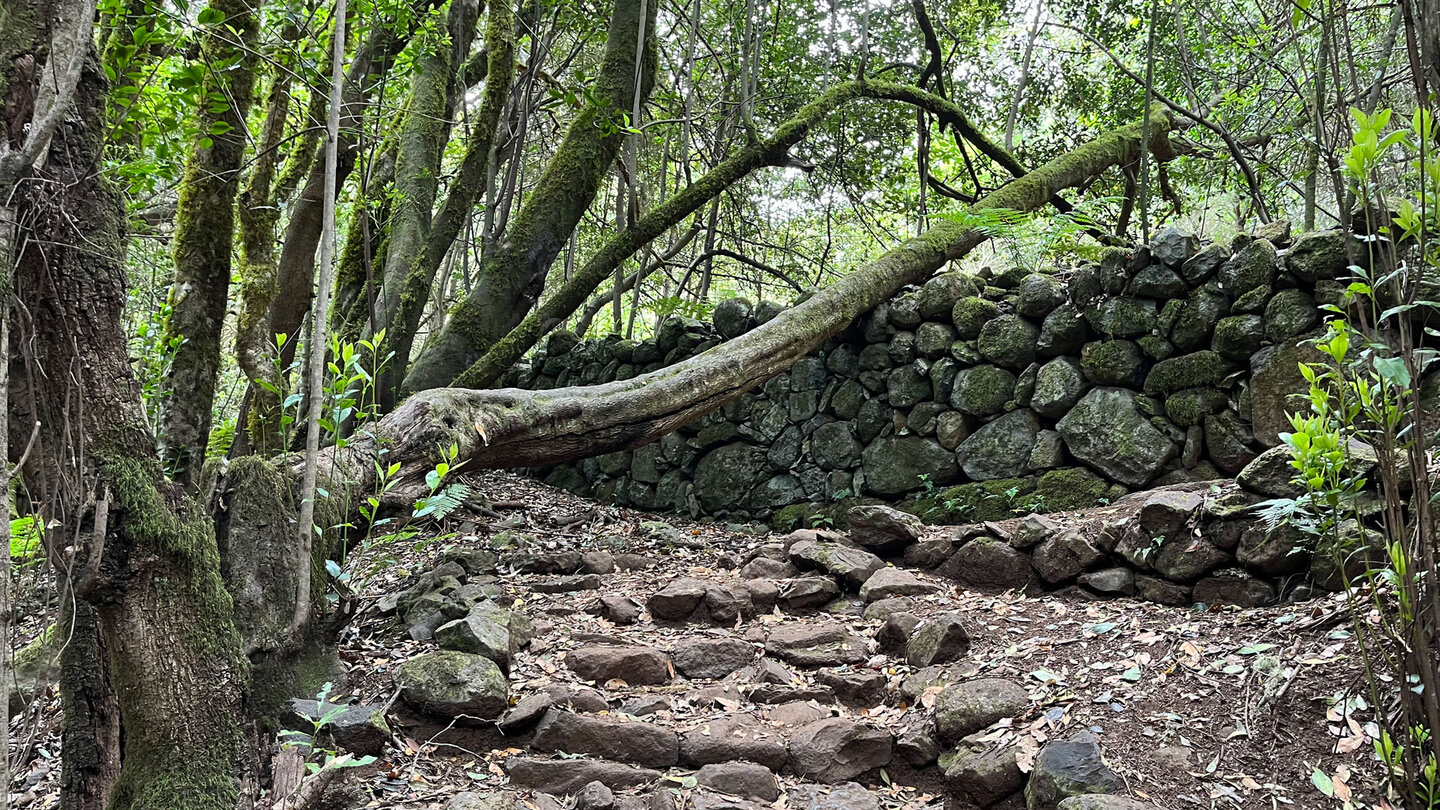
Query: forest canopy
270	258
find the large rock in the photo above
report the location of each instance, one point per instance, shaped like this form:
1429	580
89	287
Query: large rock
637	666
1040	294
895	465
712	658
1058	386
1172	246
1202	368
982	390
961	709
1186	559
1111	362
816	645
937	296
1319	256
983	774
1234	588
1008	341
846	796
890	582
970	314
852	565
733	317
1065	555
1001	448
1255	266
744	779
1068	768
451	683
678	599
1063	331
940	640
1107	432
608	737
1274	382
838	750
1289	314
988	563
730	738
833	446
1239	336
563	777
882	528
724	476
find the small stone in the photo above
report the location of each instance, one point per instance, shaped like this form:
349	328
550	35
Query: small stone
637	666
712	658
744	779
961	709
890	582
941	640
837	750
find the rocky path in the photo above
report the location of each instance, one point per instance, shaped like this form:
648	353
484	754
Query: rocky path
575	655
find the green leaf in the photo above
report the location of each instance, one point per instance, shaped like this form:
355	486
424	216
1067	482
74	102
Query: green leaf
1322	782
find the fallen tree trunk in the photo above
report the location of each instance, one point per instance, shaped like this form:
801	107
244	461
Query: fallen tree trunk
771	151
515	428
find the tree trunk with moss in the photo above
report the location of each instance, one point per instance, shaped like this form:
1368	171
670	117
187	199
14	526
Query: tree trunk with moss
410	275
144	555
510	281
204	225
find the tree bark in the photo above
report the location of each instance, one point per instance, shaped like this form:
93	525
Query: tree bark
510	281
410	272
145	557
204	227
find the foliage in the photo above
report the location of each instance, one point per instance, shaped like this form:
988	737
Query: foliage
1364	398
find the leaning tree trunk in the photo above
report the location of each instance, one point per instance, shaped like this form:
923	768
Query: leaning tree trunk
144	555
204	224
515	428
509	281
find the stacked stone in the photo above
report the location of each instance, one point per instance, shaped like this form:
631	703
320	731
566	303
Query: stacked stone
1033	391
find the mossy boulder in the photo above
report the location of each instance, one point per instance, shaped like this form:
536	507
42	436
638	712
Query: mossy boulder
1156	281
1319	256
723	477
1063	331
933	339
1255	265
1058	386
961	709
895	465
1009	341
971	503
971	313
1172	246
1001	448
448	683
1124	317
1203	265
1289	314
907	386
1238	336
1202	368
938	295
1277	388
1107	432
1195	324
982	390
1070	488
1190	407
1111	362
1040	294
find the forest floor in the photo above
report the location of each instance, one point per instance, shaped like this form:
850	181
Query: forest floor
1229	708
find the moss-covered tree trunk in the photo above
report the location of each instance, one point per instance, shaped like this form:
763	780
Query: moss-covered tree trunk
204	228
514	428
510	281
144	555
409	275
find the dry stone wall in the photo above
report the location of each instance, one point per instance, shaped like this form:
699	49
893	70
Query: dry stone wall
985	396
